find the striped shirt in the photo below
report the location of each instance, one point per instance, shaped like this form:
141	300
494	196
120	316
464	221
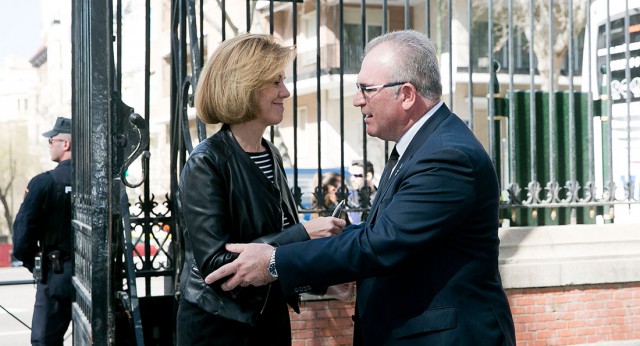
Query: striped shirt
264	162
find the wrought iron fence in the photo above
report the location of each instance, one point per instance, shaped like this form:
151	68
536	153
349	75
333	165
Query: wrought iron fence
557	162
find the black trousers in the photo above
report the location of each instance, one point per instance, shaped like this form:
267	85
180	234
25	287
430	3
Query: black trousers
52	310
196	327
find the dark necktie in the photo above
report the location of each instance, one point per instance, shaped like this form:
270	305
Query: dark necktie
393	159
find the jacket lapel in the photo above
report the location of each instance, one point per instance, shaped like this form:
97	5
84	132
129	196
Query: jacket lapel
421	136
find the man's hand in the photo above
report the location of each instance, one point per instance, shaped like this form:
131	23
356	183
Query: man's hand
250	268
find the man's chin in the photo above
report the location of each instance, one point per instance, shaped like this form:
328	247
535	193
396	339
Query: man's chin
371	131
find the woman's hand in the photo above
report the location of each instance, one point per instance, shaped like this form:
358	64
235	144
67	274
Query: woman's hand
322	227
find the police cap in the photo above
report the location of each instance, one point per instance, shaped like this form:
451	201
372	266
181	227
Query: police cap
63	125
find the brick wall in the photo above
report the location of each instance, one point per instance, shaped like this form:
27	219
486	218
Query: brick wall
323	323
574	315
567	315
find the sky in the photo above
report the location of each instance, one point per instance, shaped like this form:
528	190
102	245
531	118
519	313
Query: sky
20	26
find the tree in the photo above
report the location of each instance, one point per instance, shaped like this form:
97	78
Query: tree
545	51
16	168
8	176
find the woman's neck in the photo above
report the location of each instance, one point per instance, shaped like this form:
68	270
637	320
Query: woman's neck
249	136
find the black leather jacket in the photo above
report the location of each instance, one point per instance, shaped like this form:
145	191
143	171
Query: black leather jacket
225	198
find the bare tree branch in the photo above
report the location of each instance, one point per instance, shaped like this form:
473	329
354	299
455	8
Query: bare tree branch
547	53
4	192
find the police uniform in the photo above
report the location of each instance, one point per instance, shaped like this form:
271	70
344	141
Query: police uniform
43	228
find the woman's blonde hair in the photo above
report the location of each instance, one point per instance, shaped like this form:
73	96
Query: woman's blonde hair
239	67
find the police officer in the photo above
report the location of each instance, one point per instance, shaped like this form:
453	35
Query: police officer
42	239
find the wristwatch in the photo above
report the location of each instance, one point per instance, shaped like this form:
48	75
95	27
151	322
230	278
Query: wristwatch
272	265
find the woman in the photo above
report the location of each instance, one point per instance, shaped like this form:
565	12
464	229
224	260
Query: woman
331	182
233	189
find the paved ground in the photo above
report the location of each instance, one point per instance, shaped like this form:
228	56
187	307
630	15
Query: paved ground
18	300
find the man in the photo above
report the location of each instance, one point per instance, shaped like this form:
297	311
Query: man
42	239
426	259
359	190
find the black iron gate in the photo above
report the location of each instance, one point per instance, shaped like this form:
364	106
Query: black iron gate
121	243
94	194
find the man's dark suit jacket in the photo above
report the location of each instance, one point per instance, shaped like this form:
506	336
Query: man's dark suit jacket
426	259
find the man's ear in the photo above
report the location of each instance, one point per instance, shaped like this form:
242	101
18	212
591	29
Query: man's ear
409	95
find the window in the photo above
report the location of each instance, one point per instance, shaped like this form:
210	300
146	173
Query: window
353	47
480	56
307	44
302	117
480	49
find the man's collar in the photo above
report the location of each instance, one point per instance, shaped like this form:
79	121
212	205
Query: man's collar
403	142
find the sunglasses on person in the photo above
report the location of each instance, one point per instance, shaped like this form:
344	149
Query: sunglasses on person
51	140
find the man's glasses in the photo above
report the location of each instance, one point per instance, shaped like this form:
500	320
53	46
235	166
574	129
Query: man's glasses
51	140
364	88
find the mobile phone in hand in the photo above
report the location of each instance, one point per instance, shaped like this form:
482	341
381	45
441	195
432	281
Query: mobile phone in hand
337	212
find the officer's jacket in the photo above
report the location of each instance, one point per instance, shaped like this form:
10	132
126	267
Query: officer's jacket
43	222
223	198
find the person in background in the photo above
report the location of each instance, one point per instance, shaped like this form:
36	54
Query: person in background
233	189
360	190
42	239
426	258
331	182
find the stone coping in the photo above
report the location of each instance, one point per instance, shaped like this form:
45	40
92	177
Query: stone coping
550	256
